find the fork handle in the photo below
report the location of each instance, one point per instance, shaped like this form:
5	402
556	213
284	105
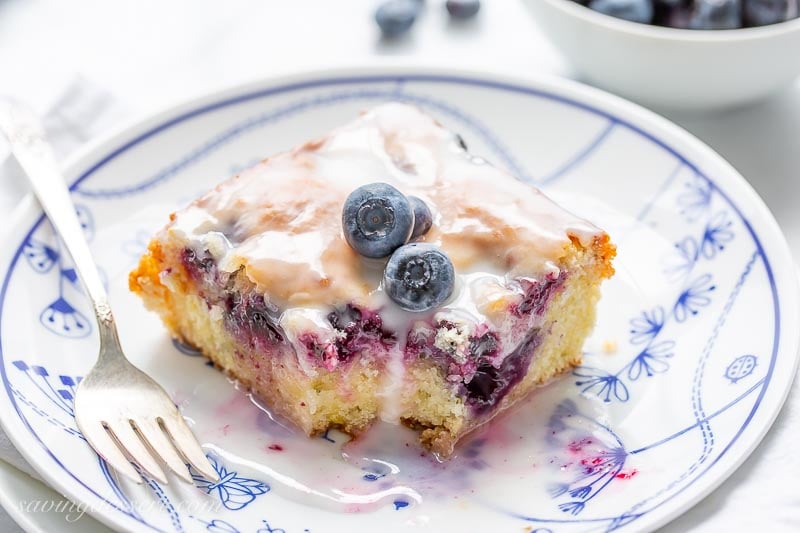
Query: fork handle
29	145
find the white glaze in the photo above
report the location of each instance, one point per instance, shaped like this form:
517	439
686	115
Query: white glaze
281	221
391	393
283	216
298	320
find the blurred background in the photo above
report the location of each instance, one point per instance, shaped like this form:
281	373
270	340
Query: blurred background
92	66
146	55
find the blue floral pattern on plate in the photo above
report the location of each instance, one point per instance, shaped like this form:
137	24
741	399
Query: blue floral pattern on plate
235	492
709	230
60	316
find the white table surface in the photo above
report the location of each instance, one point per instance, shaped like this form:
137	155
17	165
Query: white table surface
150	54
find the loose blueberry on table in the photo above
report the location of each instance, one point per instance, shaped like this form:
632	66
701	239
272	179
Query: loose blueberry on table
396	17
463	9
699	14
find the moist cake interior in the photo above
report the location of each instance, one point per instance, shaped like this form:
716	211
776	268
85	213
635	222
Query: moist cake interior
257	275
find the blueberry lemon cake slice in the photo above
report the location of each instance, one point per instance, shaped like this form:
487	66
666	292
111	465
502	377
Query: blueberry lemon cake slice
380	272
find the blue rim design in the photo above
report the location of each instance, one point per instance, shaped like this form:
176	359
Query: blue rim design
614	121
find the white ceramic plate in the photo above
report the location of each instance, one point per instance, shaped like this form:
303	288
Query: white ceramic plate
691	359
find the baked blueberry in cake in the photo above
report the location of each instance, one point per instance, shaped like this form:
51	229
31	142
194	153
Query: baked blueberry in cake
380	272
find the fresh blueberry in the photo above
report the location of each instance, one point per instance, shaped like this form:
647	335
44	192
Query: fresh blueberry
633	10
484	346
490	384
395	17
252	319
484	384
419	277
423	219
763	12
377	218
672	13
716	15
200	265
357	330
463	9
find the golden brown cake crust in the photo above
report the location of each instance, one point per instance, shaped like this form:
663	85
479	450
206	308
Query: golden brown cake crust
248	243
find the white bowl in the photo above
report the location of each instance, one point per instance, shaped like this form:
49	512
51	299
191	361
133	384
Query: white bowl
672	68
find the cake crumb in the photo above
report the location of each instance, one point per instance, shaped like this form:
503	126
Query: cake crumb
453	341
610	346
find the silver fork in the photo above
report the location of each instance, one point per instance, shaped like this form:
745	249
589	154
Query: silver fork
121	411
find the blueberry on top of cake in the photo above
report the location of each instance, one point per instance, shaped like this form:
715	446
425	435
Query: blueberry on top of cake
380	272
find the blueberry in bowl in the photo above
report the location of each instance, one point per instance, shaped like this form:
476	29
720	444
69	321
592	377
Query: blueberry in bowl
633	10
764	12
677	54
699	14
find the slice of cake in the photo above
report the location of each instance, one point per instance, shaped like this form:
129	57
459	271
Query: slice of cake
263	275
